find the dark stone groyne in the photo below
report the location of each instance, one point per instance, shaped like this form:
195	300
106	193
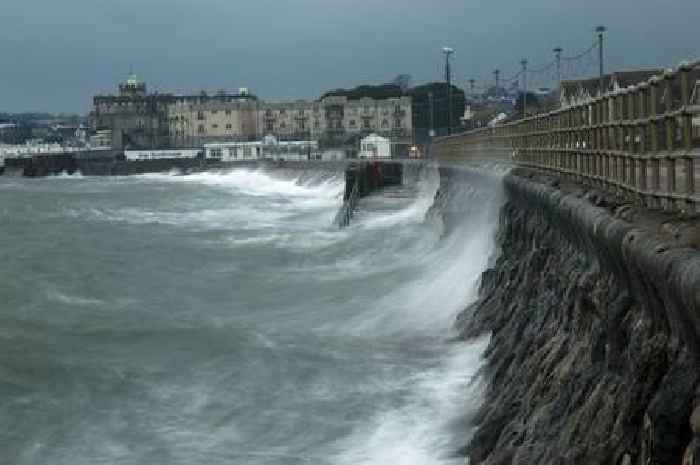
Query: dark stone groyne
595	322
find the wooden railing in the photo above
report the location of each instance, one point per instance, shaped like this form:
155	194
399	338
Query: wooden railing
641	142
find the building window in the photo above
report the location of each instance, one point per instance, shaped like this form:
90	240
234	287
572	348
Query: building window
200	115
269	127
366	123
228	112
215	126
385	124
317	124
397	123
228	126
213	112
200	129
352	123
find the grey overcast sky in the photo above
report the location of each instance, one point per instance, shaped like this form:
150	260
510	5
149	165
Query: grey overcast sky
56	54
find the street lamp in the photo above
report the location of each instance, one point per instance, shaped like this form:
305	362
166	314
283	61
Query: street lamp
557	57
600	30
448	79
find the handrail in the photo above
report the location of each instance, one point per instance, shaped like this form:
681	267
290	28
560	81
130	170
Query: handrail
344	215
641	142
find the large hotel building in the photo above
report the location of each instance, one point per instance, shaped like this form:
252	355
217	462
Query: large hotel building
139	120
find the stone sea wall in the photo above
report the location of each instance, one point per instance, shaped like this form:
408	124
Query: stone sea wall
594	312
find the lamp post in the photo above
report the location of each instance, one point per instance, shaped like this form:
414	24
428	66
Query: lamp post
557	57
524	63
600	30
448	79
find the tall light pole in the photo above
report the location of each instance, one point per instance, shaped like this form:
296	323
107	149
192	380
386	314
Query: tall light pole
431	106
600	30
448	79
524	63
557	57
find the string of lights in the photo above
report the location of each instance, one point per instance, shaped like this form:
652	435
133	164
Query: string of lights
582	54
560	68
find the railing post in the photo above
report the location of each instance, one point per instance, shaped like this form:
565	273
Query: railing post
605	144
595	142
670	133
655	146
635	164
687	118
627	143
620	141
642	134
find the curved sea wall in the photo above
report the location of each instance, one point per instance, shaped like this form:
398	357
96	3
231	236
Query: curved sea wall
595	321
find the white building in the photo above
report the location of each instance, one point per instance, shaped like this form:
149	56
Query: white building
233	151
297	150
142	155
375	146
269	149
333	155
32	148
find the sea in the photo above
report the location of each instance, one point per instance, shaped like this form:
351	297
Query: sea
222	317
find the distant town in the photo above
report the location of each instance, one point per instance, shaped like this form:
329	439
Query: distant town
391	120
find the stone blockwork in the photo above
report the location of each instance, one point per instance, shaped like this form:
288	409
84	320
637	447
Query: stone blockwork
595	321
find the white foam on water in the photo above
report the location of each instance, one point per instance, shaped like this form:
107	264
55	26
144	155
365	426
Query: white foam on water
258	183
413	213
308	241
65	175
432	421
429	302
237	215
422	431
73	300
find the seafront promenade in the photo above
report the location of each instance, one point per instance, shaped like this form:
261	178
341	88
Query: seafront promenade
641	142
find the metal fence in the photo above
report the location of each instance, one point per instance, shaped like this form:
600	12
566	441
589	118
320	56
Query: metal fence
641	142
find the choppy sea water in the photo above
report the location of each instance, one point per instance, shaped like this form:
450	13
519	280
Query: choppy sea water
221	318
